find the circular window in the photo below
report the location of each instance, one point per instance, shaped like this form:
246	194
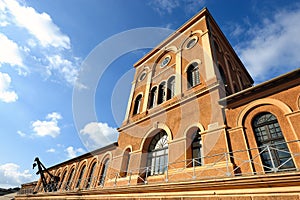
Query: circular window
142	76
165	61
192	42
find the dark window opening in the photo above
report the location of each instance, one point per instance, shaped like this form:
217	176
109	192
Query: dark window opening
80	176
153	96
137	104
171	88
193	75
197	148
103	172
70	180
62	179
223	79
216	46
91	177
125	163
161	93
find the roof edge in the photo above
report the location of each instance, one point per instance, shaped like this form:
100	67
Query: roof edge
203	11
292	75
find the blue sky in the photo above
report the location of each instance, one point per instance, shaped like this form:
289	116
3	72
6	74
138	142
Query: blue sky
44	43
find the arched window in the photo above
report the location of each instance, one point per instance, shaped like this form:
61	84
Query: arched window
236	89
153	96
103	172
137	104
197	148
125	163
222	75
158	154
230	65
223	79
53	185
171	88
91	175
193	75
70	180
161	93
41	186
80	176
273	149
62	179
216	46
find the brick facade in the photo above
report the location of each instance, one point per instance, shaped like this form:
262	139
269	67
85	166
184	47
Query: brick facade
193	84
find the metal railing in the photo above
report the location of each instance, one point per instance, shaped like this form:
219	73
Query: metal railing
228	164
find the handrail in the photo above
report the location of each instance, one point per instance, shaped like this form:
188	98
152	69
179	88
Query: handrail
190	169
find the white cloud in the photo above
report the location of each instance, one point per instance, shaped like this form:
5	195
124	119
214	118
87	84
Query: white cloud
54	116
193	6
9	52
167	6
273	47
52	150
3	18
237	30
5	23
40	25
97	134
32	43
20	133
162	6
48	127
79	85
72	153
6	95
40	43
11	176
64	67
168	26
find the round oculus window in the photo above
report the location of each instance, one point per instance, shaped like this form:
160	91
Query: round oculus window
142	76
192	42
165	61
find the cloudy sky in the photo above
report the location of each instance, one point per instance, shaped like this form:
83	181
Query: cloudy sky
44	43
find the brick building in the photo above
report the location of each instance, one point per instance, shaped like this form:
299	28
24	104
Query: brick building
195	127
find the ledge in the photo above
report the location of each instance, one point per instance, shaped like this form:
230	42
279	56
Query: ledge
287	183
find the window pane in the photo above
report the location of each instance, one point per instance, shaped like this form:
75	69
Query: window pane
153	97
171	87
193	75
158	154
162	163
196	147
80	177
90	177
103	172
70	180
137	104
268	132
161	93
